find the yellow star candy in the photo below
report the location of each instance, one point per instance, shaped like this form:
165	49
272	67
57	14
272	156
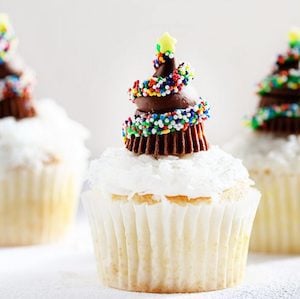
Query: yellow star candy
294	36
4	22
166	43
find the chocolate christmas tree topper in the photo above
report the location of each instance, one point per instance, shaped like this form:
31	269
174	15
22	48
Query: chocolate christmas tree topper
15	83
167	121
279	110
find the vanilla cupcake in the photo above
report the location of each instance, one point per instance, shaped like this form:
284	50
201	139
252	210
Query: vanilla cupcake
42	156
168	213
272	155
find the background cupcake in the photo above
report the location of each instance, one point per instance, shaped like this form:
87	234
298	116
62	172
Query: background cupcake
168	213
42	156
272	154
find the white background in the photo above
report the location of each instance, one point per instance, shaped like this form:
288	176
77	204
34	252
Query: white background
87	53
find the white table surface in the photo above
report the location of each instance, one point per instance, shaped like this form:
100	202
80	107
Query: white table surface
68	270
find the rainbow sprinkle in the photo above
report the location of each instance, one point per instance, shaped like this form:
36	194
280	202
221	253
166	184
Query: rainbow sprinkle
159	86
270	112
161	58
289	79
292	55
165	123
7	37
286	74
13	86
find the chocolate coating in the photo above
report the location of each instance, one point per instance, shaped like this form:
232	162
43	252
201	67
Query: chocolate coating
166	68
279	98
163	104
7	69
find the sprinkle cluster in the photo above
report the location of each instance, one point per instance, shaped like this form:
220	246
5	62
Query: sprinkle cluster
291	56
287	78
161	58
162	86
165	123
7	37
12	86
270	112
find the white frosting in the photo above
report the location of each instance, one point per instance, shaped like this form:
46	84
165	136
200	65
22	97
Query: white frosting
262	151
206	173
33	141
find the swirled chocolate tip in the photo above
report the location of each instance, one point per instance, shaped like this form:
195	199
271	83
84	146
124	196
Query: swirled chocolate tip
168	120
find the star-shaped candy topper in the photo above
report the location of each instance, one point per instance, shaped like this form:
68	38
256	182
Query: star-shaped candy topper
294	37
166	43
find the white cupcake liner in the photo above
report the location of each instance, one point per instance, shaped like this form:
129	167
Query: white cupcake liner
166	247
37	206
276	227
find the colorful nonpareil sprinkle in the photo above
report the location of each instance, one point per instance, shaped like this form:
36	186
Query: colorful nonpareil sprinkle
7	37
12	86
161	58
267	113
162	86
289	79
292	55
159	124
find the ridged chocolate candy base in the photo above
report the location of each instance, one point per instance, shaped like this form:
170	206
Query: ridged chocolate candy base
17	107
177	143
282	126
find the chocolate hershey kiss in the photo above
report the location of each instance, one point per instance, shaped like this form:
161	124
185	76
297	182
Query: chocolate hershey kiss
167	103
7	69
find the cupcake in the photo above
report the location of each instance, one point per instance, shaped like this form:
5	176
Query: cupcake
271	152
169	213
42	156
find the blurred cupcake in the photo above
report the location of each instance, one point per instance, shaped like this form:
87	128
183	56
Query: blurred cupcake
272	155
42	156
168	213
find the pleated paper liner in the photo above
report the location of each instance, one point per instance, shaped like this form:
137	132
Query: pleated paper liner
19	107
281	126
37	206
166	247
277	224
176	143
